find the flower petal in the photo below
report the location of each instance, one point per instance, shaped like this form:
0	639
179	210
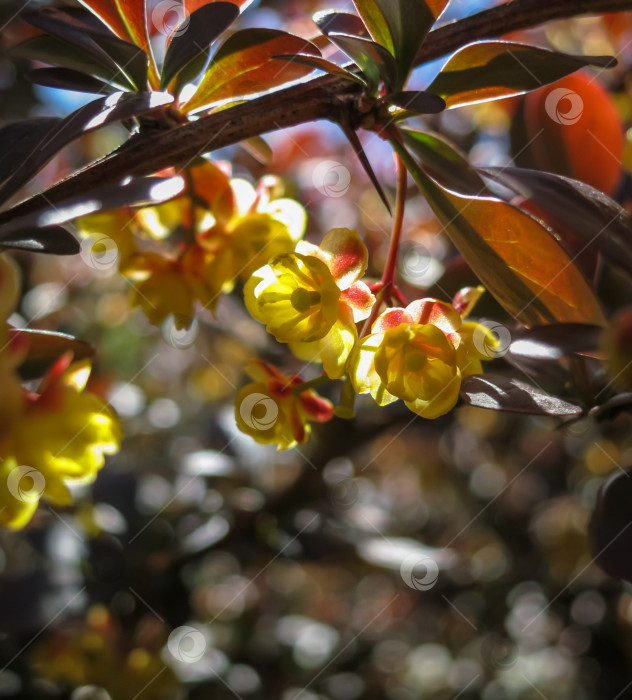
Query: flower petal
347	255
360	299
362	371
439	314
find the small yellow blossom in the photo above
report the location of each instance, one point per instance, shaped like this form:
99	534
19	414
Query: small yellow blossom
313	298
419	354
59	438
195	247
273	409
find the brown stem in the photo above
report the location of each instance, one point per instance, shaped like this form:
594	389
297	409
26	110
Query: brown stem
321	98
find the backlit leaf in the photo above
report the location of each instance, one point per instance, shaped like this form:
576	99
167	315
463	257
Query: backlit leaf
514	256
243	65
488	70
323	64
195	36
596	220
400	26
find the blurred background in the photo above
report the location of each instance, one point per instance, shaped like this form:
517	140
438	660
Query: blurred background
390	557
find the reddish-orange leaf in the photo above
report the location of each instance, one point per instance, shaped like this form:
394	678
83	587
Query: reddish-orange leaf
574	129
132	13
515	257
244	65
108	12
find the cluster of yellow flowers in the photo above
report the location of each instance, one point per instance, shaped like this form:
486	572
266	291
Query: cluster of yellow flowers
51	439
219	232
313	299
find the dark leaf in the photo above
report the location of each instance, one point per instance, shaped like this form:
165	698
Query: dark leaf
323	64
556	341
243	66
129	58
610	527
498	393
596	219
417	101
68	79
107	110
359	151
193	38
45	348
54	240
444	162
17	139
58	25
488	70
56	52
140	192
513	255
341	23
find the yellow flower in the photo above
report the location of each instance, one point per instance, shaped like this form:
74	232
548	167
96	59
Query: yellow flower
60	438
420	355
273	410
220	231
313	298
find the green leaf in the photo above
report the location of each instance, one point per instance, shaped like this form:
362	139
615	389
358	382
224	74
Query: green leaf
373	60
489	70
45	348
243	66
258	148
444	162
514	256
401	27
195	35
